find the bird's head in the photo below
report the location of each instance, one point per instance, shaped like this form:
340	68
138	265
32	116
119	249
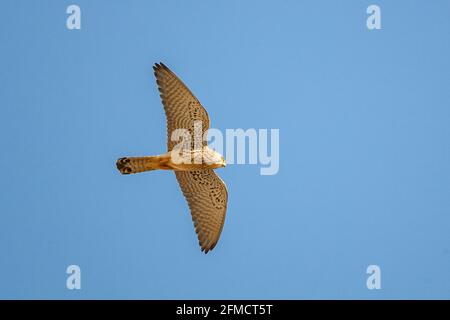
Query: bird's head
224	163
213	158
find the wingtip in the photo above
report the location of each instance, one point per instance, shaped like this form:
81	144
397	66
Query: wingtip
160	66
208	248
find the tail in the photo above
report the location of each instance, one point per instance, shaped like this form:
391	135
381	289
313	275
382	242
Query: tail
129	165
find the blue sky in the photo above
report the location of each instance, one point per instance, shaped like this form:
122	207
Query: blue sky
364	149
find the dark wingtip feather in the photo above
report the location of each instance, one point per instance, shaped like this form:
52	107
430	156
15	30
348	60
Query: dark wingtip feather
157	67
166	68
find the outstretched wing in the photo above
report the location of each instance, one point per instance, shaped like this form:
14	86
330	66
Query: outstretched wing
181	106
207	197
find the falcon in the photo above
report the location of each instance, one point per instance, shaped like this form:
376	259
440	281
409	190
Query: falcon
205	192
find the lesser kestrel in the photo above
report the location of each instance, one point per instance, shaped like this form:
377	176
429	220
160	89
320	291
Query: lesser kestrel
205	192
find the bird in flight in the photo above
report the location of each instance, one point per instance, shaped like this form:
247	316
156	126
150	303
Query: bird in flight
205	192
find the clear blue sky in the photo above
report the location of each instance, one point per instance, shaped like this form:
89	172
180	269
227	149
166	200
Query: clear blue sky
364	149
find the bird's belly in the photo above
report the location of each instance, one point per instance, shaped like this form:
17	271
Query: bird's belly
192	162
190	166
